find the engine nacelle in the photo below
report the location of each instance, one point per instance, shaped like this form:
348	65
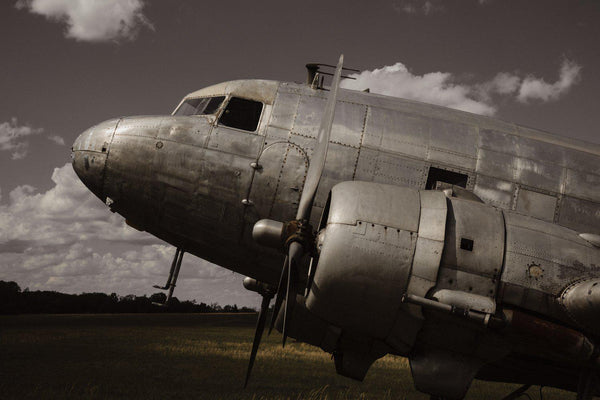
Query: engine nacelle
378	241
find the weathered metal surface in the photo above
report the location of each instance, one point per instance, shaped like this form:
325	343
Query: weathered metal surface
465	300
259	90
277	184
190	181
541	259
375	166
430	244
582	301
366	252
538	205
397	209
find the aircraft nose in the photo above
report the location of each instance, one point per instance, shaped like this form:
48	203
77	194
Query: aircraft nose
89	153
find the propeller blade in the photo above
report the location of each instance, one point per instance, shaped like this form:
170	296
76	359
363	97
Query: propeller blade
281	290
260	327
292	284
311	275
317	162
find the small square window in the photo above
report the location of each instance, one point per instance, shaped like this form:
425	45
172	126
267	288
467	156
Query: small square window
466	244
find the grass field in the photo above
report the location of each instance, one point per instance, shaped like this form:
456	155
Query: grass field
190	356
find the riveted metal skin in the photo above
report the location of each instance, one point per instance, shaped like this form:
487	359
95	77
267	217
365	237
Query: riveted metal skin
430	244
90	152
366	257
582	302
198	184
541	261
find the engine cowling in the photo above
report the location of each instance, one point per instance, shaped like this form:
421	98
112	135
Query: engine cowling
366	255
379	244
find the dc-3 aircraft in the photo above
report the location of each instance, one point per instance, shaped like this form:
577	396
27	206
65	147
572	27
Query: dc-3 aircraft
467	244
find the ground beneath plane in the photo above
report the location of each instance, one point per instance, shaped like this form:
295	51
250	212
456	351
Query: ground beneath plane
181	356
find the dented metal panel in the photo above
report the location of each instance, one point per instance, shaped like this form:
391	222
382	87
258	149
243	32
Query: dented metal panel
235	141
392	208
366	256
541	259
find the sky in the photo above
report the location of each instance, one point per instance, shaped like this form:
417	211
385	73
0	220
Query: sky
69	64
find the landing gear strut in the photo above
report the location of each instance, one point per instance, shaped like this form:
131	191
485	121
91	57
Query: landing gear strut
173	274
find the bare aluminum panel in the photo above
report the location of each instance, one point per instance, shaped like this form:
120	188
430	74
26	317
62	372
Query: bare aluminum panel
545	257
385	205
432	224
538	174
274	134
378	166
496	165
496	192
584	185
360	278
538	205
450	278
348	121
193	130
397	132
140	126
454	144
484	226
235	141
580	215
582	161
277	182
284	110
534	173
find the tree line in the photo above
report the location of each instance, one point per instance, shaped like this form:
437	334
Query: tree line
13	300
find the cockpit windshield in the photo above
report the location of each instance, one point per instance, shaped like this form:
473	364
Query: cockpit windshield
200	106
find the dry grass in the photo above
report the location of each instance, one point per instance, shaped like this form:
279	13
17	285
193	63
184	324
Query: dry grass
170	356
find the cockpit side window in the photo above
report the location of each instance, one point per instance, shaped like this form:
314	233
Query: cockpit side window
200	106
242	114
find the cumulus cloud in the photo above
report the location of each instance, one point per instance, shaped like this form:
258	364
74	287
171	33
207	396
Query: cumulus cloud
14	138
444	89
533	88
66	239
434	87
93	20
57	139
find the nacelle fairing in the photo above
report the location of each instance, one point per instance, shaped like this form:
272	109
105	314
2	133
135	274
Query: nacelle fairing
379	243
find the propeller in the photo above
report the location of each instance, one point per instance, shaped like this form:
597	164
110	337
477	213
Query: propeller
260	327
297	235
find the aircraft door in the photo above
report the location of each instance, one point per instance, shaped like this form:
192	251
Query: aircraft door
278	181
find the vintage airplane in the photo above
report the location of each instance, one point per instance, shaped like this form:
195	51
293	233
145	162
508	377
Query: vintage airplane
467	244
